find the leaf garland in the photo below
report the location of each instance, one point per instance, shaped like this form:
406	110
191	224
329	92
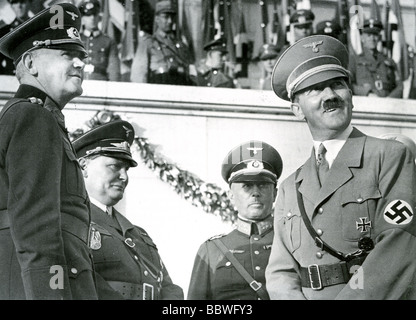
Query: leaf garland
208	196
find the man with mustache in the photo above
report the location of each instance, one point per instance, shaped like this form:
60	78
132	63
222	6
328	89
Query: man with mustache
344	221
126	260
231	267
44	206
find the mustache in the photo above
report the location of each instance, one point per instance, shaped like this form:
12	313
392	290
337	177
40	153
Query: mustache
332	104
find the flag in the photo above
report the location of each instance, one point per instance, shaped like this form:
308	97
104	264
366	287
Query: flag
375	11
240	39
129	37
303	4
185	32
264	19
208	29
356	22
342	17
399	50
278	34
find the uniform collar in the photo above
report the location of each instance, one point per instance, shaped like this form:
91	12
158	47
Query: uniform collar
263	226
101	206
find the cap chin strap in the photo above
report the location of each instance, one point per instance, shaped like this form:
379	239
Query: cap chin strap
291	87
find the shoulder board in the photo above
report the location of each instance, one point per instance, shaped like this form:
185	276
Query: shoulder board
217	236
389	62
144	35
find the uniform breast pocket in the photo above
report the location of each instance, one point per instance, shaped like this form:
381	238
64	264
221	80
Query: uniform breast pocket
358	206
292	221
72	174
110	249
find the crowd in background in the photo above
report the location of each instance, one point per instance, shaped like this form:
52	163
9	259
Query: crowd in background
155	48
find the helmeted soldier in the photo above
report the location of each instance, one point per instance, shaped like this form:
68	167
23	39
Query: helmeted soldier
162	58
372	72
211	73
126	260
103	62
232	266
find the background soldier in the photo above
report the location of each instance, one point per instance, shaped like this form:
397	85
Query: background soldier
211	74
162	58
349	208
44	206
268	57
231	267
301	25
372	72
21	9
103	62
127	263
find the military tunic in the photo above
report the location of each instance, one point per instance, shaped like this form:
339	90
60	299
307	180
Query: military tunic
214	78
161	59
215	278
44	207
7	66
367	193
119	275
103	62
378	75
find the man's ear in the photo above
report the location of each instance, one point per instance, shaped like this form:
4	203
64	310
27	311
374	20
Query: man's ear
83	163
230	195
29	64
297	110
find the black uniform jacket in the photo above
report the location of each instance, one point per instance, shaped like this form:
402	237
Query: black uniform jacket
44	207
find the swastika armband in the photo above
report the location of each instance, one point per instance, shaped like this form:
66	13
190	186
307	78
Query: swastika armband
398	212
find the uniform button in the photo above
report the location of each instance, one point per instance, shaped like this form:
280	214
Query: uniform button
321	210
146	273
228	263
215	72
257	268
171	59
136	258
289	214
208	84
74	270
256	252
359	200
319	255
319	232
255	238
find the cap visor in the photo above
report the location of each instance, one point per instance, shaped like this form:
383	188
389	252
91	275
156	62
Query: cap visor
254	178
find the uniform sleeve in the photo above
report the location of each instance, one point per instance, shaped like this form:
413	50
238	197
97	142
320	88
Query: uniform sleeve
33	165
199	286
170	291
389	270
282	280
141	60
113	69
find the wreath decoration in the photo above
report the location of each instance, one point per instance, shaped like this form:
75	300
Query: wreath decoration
208	196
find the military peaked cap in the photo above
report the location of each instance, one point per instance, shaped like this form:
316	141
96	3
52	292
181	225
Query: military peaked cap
89	7
253	160
112	139
329	28
269	51
56	27
372	26
309	61
302	17
217	44
165	6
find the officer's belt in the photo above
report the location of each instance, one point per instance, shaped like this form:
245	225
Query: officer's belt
318	277
133	291
69	223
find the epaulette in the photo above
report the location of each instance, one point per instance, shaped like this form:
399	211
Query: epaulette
389	63
217	236
35	100
144	35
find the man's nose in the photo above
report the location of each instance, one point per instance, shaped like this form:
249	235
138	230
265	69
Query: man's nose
78	63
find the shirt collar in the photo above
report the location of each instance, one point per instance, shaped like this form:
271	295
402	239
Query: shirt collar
333	146
94	33
103	207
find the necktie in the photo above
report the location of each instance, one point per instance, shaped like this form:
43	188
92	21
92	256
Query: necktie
109	211
322	164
